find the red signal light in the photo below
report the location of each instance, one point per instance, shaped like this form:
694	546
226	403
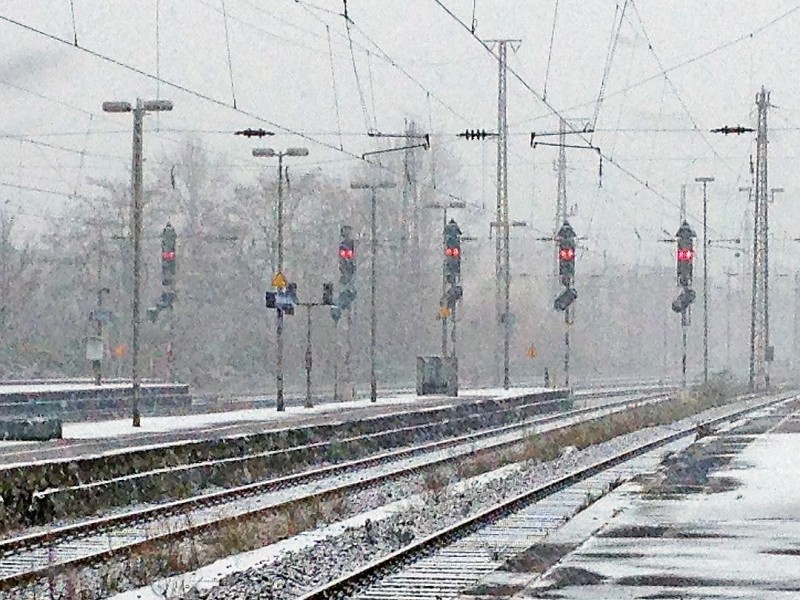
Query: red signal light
346	253
454	252
168	255
685	255
566	254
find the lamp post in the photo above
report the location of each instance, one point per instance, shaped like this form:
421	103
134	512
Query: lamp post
705	181
270	153
373	329
138	110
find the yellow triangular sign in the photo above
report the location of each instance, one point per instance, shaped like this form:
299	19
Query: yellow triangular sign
279	281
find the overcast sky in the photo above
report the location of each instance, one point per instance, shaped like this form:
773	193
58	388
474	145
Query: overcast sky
410	58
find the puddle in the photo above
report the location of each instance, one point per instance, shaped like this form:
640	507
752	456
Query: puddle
759	425
538	558
503	590
783	551
564	576
616	555
656	531
678	581
790	426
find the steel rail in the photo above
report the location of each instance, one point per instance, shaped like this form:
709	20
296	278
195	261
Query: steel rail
17	546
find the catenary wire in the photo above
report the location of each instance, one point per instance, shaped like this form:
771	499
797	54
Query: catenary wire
194	93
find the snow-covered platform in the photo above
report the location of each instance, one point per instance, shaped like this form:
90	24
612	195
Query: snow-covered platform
94	437
77	398
737	535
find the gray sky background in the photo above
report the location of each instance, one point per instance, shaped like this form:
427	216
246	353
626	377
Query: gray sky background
415	60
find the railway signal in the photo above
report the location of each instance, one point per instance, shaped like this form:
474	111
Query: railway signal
168	263
566	253
685	254
684	300
452	252
347	272
347	257
564	299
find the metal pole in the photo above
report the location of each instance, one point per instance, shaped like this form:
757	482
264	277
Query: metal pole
309	359
136	174
336	345
171	344
444	284
705	285
97	367
279	319
350	386
767	353
507	304
373	383
705	181
795	340
664	363
96	364
683	356
453	336
566	346
728	322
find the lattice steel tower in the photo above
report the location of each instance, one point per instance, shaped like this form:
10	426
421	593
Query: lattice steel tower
502	251
760	352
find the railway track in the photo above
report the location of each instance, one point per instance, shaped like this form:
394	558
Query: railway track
29	558
79	500
454	559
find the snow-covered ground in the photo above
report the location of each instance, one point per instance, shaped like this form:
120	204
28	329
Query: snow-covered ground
118	427
743	543
41	388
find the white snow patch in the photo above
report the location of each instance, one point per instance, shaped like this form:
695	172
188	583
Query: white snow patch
117	427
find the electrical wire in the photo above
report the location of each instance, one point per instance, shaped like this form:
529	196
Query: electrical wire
228	48
74	26
630	174
549	52
355	73
372	91
26	140
672	83
79	175
335	91
684	63
158	58
612	49
196	94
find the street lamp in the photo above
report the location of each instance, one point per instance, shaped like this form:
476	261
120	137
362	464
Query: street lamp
270	153
705	181
373	330
138	110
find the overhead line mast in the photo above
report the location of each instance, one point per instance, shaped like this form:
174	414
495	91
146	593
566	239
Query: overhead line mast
760	350
502	250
